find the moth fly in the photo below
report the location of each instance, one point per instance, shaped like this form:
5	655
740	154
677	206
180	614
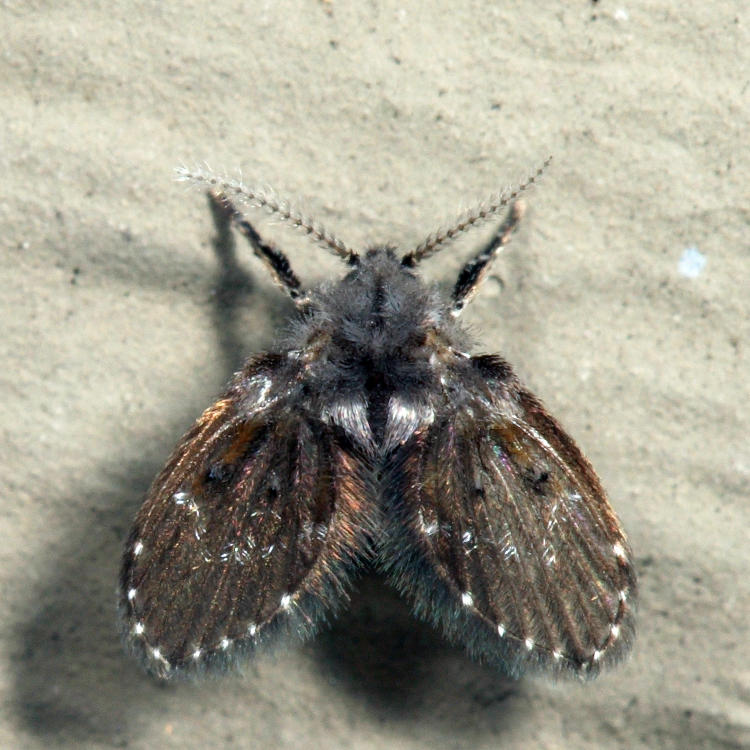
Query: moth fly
370	435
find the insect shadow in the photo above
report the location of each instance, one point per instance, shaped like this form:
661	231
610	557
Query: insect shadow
376	650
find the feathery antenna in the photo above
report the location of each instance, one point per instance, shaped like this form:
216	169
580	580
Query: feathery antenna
484	211
267	199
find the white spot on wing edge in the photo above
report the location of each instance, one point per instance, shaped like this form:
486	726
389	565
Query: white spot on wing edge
619	551
137	548
197	654
131	594
529	643
614	631
252	629
138	629
501	630
467	599
286	601
225	643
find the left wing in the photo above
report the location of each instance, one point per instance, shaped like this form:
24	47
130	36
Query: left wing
500	532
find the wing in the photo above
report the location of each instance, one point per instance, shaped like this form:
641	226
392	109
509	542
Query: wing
251	528
500	532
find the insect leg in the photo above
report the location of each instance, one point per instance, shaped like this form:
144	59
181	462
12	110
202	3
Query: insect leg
475	271
275	260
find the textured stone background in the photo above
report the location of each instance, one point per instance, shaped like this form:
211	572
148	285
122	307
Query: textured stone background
382	119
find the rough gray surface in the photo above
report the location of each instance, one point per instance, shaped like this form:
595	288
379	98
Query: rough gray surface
383	118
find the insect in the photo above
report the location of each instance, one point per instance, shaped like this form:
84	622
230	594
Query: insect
370	436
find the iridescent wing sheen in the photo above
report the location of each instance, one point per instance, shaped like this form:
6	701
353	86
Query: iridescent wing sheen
500	532
251	528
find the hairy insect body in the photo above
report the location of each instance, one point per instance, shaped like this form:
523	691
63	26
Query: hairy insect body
375	337
371	436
